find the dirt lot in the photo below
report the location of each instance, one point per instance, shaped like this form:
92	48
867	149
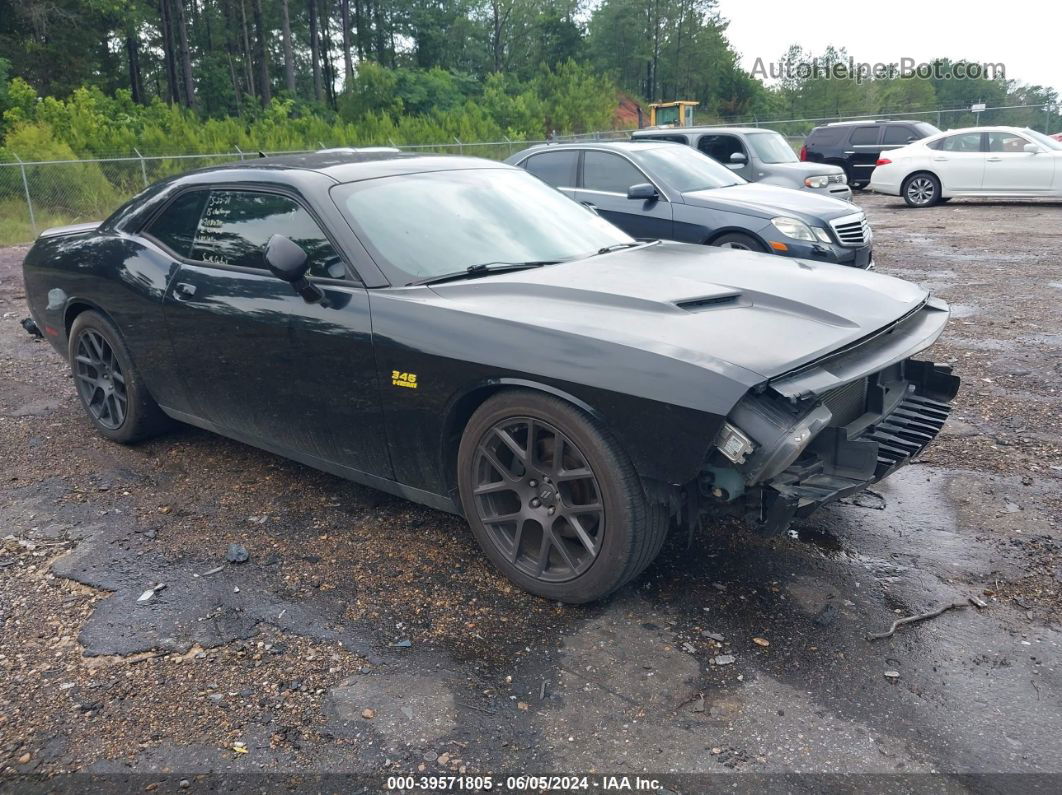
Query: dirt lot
367	634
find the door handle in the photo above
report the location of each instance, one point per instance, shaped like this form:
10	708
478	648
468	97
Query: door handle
940	159
993	159
849	152
184	289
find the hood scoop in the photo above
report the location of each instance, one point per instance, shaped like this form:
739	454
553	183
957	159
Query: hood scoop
708	302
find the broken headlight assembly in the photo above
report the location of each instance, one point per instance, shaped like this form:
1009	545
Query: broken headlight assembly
733	443
777	433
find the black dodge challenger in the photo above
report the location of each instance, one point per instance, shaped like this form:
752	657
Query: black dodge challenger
454	331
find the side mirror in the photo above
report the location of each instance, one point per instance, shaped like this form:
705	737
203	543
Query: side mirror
1032	149
642	190
289	262
738	159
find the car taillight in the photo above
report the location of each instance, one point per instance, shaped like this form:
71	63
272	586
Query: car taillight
883	161
803	153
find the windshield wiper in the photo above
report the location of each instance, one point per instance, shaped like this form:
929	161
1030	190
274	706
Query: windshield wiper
483	269
618	246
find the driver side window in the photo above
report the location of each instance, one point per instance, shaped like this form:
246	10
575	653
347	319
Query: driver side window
236	225
721	147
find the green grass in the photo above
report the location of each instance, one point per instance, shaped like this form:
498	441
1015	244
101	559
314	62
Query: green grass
15	228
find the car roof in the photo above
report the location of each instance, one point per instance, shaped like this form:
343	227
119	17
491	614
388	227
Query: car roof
701	129
608	146
987	128
343	165
874	121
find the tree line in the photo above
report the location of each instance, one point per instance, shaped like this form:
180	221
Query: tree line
460	67
218	56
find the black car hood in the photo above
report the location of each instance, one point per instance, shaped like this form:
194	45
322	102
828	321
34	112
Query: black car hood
718	309
770	201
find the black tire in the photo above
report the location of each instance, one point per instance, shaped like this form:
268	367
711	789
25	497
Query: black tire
740	241
108	384
584	561
921	189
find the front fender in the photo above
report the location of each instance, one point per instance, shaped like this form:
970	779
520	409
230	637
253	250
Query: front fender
666	443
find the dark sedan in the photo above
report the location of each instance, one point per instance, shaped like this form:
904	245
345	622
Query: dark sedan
454	331
666	190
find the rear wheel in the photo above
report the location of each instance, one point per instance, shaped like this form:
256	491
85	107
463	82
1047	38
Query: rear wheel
108	384
553	500
921	190
739	241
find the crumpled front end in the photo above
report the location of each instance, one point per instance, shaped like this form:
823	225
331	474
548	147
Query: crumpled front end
831	429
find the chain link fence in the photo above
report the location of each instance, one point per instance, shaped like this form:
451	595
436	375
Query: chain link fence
38	194
35	195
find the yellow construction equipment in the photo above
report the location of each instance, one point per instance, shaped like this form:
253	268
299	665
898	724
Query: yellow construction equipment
672	114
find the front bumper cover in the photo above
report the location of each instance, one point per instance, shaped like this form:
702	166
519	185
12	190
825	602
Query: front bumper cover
877	427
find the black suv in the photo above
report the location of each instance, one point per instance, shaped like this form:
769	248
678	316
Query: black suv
856	145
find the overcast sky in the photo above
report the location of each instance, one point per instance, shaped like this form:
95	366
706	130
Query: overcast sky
1026	36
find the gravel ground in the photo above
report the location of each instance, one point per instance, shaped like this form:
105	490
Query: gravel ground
366	634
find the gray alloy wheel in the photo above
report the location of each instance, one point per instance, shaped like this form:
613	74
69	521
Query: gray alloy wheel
539	499
100	380
109	385
552	498
921	190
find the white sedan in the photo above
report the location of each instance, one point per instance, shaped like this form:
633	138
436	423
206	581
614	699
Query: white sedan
977	161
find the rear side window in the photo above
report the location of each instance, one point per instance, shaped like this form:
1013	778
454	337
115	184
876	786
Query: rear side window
605	171
899	135
175	227
964	142
236	225
822	136
720	147
864	136
554	168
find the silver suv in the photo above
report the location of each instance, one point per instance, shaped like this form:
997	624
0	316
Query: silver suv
758	155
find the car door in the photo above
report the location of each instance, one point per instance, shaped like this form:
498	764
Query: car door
558	169
260	362
959	161
720	147
864	146
606	177
1008	167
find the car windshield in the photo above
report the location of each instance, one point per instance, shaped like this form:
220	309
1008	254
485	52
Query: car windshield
419	226
684	169
1042	139
770	147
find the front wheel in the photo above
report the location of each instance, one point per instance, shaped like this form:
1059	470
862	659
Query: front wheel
109	385
552	499
921	190
739	241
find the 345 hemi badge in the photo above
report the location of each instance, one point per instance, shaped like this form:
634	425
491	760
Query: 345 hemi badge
408	380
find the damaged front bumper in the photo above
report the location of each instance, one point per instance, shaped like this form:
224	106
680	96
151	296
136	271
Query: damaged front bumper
903	412
831	429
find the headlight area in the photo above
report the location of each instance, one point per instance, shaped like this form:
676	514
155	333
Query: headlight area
763	435
796	229
775	458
